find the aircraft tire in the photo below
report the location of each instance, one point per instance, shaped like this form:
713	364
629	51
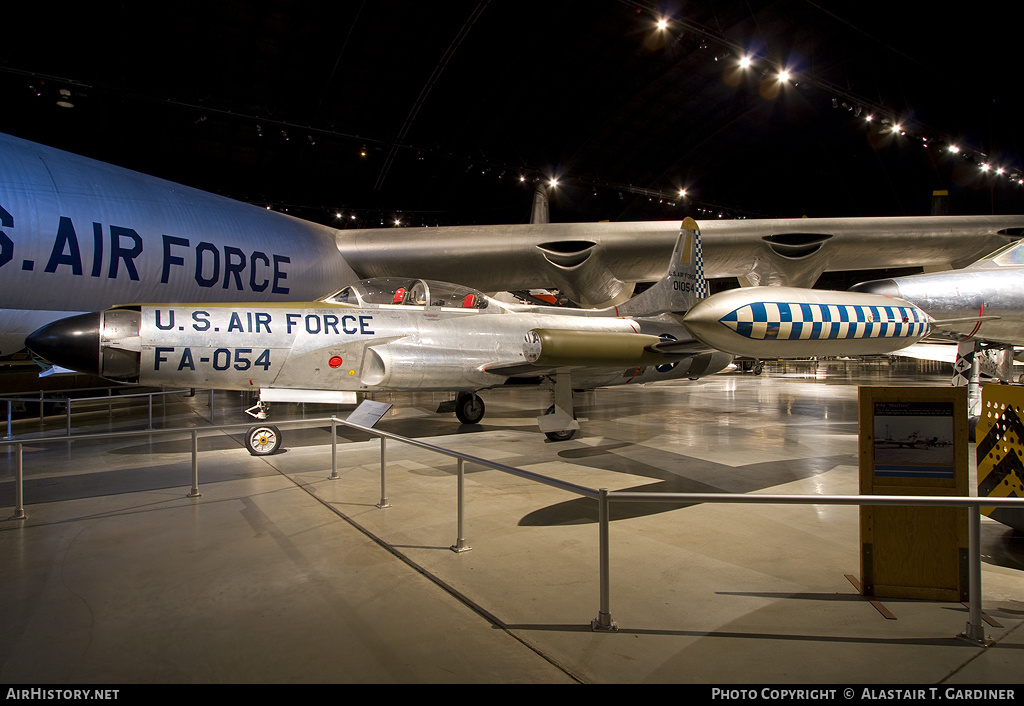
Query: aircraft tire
263	440
560	435
469	408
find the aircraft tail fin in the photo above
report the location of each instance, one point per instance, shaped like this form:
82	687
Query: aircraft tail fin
683	284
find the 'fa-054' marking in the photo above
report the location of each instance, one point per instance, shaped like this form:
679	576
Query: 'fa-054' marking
220	359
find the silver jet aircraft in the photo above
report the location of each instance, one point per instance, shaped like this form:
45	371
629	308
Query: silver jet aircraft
390	334
983	301
980	307
78	235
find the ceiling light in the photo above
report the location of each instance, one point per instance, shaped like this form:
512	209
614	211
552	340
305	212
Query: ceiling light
663	24
64	101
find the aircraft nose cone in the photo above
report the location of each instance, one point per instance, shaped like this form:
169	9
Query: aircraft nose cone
885	287
72	343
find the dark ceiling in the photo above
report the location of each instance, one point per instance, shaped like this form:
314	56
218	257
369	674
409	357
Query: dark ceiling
431	112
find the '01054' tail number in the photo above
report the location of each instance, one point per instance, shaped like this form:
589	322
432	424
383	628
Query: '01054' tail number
218	359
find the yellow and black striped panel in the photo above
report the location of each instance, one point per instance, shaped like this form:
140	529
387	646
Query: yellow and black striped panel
1000	449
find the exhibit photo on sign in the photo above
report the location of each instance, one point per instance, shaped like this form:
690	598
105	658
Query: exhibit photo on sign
914	439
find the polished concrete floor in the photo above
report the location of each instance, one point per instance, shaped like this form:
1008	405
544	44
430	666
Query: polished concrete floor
278	574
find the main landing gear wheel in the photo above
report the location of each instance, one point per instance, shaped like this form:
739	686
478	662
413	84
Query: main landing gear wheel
469	408
559	435
263	440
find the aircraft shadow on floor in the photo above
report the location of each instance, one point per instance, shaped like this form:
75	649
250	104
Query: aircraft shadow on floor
689	475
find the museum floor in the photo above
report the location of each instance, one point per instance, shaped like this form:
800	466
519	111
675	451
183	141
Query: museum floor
277	574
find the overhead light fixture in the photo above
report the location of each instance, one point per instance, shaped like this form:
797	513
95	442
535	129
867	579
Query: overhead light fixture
64	99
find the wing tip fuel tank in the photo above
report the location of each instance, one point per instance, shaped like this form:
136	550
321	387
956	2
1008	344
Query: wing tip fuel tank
762	322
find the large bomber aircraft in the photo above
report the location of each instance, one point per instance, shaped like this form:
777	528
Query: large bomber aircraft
78	235
398	334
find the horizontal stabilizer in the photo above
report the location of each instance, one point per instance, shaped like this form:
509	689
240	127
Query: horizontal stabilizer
964	320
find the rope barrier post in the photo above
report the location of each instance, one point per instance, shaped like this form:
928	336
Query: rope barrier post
460	541
383	473
194	493
603	622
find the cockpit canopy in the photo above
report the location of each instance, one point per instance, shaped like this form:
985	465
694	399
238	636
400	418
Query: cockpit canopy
400	291
1010	255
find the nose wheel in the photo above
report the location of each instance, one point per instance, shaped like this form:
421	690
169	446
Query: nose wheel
263	440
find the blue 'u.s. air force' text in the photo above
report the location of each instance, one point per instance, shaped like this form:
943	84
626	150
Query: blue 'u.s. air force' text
264	322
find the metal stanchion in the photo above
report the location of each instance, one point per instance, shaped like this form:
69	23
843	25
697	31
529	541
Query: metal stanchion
603	621
975	629
19	493
334	450
194	493
460	542
383	474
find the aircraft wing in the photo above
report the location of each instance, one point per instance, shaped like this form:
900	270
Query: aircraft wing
597	264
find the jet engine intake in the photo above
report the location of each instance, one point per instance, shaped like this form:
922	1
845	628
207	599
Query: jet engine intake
578	269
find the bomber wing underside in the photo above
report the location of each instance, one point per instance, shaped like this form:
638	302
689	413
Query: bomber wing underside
597	264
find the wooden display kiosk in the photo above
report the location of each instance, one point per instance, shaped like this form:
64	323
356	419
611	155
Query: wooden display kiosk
914	441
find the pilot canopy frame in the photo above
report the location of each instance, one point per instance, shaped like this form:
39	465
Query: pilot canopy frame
408	292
